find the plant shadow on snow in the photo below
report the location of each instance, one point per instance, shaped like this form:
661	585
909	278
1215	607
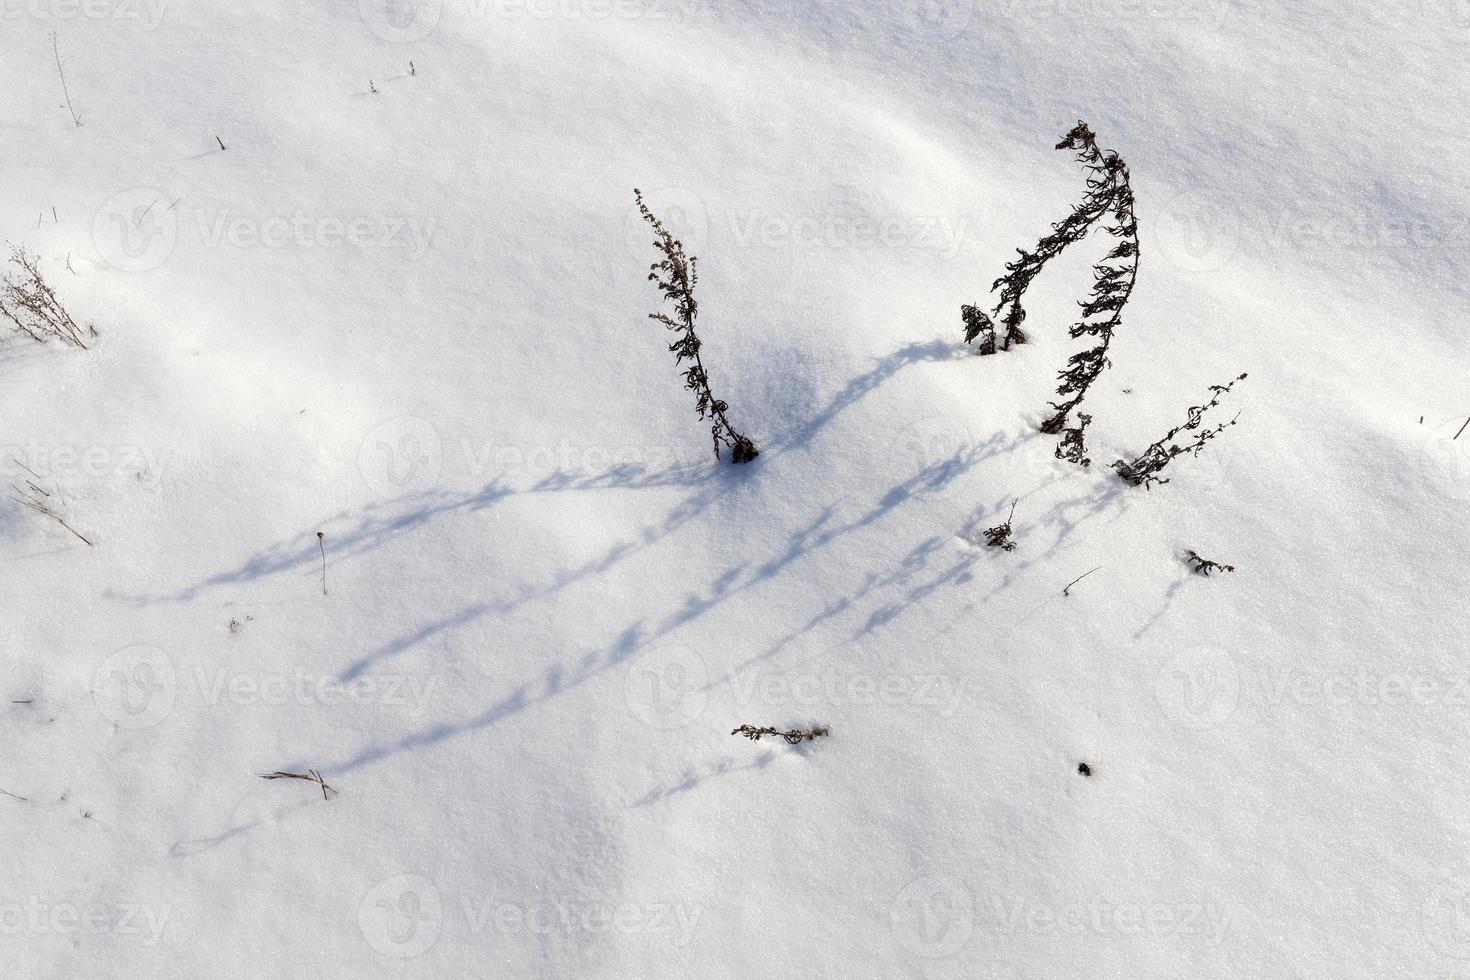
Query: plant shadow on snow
691	778
378	524
635	638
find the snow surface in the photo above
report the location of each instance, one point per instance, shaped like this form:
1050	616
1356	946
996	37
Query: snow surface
415	321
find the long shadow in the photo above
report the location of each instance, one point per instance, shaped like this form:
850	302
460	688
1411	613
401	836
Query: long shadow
692	778
856	389
560	678
418	510
379	523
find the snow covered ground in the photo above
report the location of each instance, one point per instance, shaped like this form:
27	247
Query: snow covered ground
406	308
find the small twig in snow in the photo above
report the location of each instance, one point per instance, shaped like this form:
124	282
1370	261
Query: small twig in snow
310	776
1068	590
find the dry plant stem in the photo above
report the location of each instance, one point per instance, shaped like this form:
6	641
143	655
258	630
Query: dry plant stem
1014	283
43	508
676	276
1144	471
310	776
13	796
1113	281
31	305
321	544
65	90
1068	590
794	737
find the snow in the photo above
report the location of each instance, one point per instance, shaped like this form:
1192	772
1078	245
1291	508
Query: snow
415	320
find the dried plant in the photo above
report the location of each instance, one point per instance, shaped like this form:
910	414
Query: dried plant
43	503
1113	281
1000	535
1073	446
61	70
793	737
676	275
310	776
1072	229
32	307
1144	471
1203	566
